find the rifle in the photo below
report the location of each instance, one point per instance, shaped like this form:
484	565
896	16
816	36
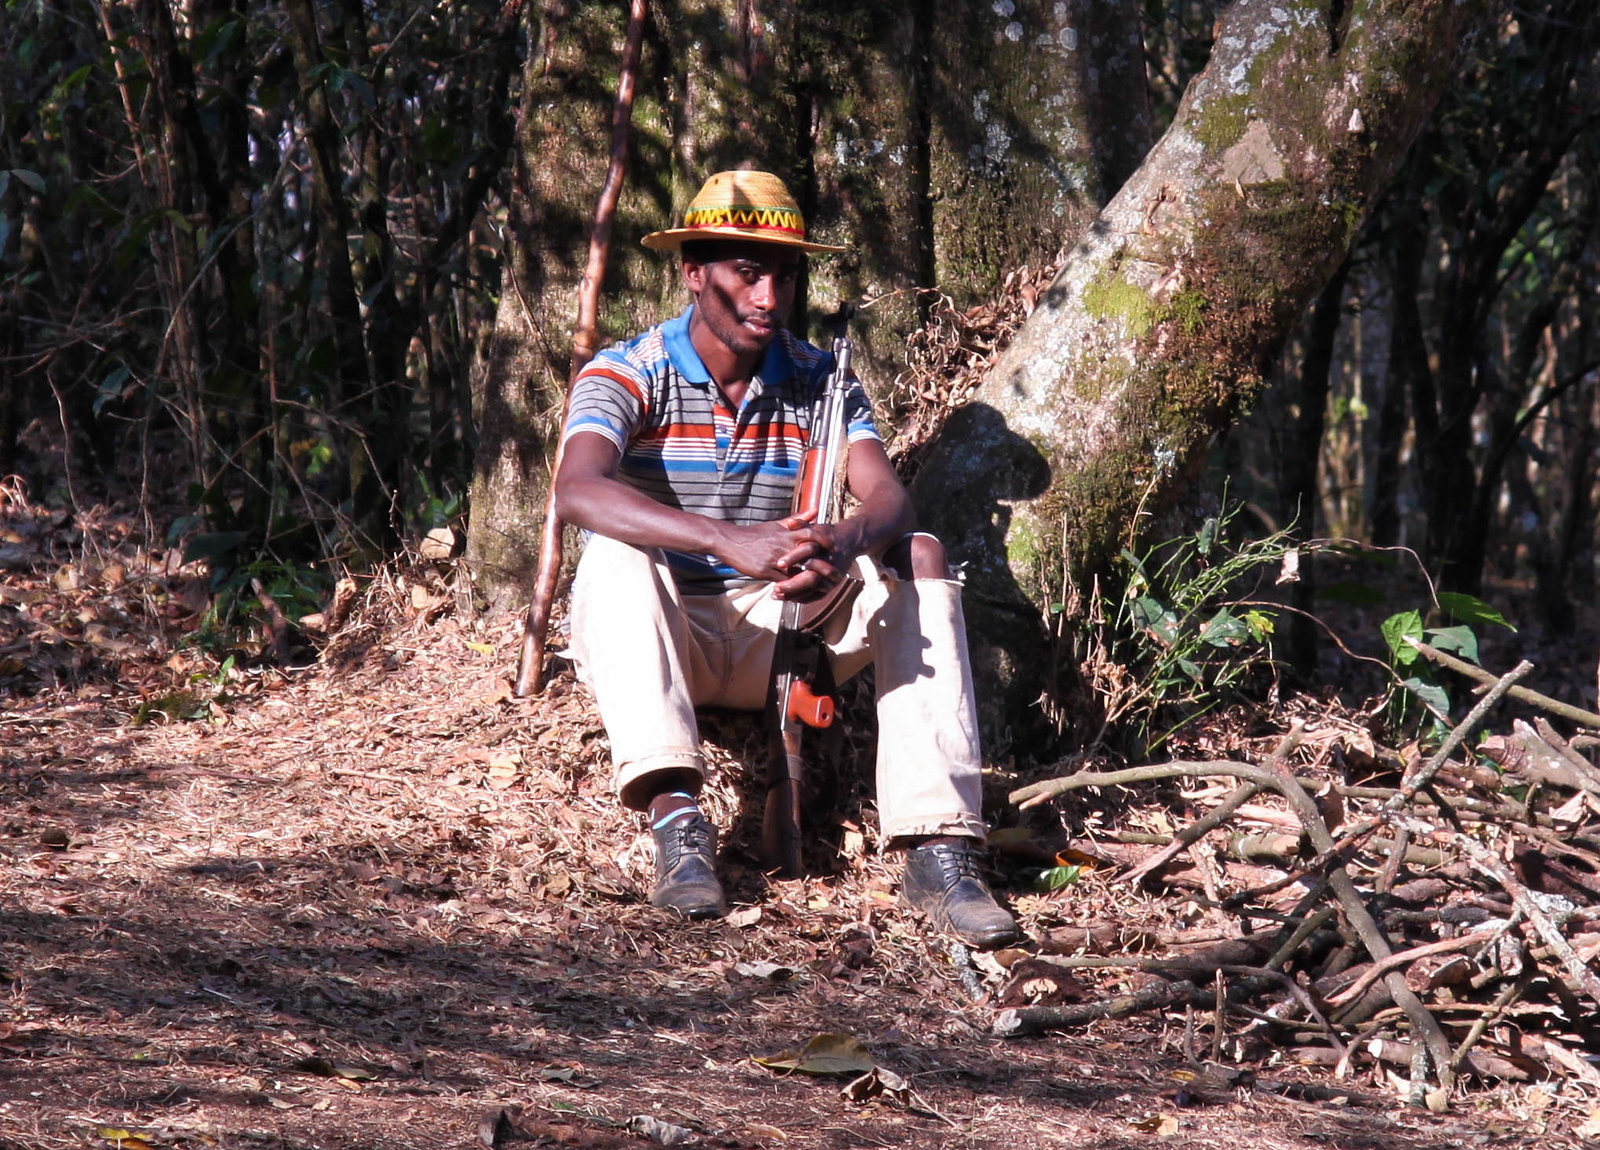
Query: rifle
801	692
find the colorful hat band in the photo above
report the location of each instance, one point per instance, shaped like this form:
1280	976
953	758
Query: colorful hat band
785	220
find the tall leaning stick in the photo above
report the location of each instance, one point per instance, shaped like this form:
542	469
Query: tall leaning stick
530	660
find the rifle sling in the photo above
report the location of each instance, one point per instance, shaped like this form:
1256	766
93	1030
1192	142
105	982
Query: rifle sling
817	614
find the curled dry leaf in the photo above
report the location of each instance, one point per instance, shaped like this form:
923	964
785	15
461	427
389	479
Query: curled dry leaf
1161	1125
875	1083
658	1131
770	971
744	916
825	1055
440	543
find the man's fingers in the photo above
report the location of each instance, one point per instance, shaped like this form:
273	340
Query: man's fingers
797	557
795	522
812	578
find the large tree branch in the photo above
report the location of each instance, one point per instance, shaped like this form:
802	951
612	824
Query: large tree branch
1156	333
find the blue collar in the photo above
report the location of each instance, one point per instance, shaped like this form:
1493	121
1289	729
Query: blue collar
776	365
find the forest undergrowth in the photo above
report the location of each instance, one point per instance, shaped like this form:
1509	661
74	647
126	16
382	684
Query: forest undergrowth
325	883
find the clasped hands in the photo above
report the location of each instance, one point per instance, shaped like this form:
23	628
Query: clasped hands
802	560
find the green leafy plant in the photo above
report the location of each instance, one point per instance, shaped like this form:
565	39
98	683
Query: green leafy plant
1185	638
1058	878
435	508
1419	677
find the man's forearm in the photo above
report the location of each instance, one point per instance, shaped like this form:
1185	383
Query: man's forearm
878	525
884	514
611	508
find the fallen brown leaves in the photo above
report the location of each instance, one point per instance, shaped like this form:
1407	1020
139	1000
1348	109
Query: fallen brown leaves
376	901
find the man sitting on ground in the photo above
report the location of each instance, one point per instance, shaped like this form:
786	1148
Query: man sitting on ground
680	456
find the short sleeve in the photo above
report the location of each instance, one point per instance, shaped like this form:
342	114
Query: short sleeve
610	397
858	420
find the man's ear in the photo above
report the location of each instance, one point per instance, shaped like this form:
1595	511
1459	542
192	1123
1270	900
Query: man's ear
694	275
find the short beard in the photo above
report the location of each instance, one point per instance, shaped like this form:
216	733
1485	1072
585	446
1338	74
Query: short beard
736	338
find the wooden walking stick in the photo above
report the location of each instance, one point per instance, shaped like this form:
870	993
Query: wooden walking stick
530	660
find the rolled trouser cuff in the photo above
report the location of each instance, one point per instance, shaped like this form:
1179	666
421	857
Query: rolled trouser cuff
895	834
639	781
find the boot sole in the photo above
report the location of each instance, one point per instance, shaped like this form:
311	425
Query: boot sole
941	923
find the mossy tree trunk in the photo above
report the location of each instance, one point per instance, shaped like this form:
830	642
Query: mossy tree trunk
561	150
1160	325
951	143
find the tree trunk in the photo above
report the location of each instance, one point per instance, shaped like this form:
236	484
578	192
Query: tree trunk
1402	240
1299	501
331	213
953	143
1156	332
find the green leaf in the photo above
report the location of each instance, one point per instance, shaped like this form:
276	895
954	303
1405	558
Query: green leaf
111	388
33	179
181	526
1396	630
1138	579
74	79
1206	537
1432	695
218	39
1057	877
1261	623
213	545
1469	610
1190	668
1458	639
1224	629
1152	614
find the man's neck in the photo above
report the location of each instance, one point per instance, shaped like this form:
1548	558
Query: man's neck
729	371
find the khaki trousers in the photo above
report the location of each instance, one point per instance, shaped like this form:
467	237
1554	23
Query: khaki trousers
651	655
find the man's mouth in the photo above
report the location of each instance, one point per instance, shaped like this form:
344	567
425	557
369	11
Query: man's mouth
765	325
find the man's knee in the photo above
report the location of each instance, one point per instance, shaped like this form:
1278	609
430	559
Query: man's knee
917	556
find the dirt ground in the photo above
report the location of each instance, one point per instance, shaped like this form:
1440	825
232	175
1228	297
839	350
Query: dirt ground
377	902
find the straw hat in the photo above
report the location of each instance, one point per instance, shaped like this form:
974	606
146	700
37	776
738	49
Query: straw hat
740	205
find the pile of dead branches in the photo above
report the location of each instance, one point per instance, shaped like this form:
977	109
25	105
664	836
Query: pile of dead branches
1425	918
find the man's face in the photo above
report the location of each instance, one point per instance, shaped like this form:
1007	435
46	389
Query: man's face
744	295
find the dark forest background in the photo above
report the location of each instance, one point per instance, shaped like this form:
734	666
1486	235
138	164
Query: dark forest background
253	252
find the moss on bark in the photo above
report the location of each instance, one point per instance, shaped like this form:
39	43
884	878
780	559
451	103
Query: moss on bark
1156	334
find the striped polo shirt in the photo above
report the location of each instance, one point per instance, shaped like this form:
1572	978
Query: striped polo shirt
683	445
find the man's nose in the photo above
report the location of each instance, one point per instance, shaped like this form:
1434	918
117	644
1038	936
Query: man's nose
764	293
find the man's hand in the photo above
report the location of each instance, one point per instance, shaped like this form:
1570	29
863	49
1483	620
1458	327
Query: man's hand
803	560
829	552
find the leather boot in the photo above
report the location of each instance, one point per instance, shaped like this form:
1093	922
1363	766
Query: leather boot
686	880
943	881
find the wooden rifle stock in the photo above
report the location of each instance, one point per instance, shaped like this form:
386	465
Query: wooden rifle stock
801	692
536	627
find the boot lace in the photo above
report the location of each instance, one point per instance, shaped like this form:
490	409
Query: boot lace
957	863
687	837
